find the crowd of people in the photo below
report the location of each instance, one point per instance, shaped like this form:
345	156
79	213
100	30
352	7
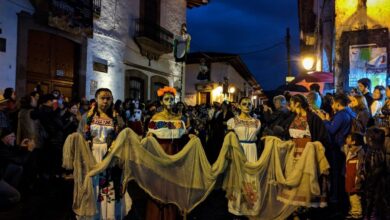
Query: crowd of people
353	127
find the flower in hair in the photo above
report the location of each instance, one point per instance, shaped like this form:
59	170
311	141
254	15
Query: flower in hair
166	89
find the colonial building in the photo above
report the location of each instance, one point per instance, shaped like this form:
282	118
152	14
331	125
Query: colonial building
216	77
79	46
347	37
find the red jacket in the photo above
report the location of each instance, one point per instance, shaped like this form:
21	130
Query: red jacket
353	169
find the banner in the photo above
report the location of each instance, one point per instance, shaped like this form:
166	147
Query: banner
367	61
73	16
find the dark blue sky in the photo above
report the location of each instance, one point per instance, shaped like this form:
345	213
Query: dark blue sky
241	26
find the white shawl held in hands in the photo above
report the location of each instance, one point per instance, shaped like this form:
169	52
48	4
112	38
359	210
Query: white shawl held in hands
186	178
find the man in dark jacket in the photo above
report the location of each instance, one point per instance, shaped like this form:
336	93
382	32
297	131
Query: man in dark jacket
338	128
12	159
53	126
281	113
364	86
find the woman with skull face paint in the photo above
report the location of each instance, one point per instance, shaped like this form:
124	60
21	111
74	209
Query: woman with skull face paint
133	116
168	129
247	129
100	125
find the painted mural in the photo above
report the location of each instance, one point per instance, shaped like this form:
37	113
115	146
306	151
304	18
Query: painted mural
367	61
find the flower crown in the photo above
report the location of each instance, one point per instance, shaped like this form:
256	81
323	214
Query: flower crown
166	89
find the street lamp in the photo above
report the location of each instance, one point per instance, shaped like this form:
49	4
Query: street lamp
231	91
308	63
254	100
217	93
219	89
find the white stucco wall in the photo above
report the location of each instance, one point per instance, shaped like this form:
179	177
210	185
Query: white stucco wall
236	79
218	72
111	50
114	41
191	74
108	43
9	26
173	14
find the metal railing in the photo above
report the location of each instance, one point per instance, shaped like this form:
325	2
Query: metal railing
153	31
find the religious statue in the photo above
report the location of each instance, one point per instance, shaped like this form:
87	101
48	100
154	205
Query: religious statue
204	70
182	44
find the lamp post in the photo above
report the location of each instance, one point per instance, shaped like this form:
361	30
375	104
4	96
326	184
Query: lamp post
231	91
254	100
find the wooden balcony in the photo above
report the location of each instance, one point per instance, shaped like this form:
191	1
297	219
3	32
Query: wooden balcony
152	39
196	3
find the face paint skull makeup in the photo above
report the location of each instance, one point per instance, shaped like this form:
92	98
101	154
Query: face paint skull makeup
168	101
246	105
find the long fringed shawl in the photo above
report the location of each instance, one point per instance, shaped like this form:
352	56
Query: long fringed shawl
78	156
186	178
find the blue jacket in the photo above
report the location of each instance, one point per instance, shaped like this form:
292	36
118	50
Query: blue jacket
340	126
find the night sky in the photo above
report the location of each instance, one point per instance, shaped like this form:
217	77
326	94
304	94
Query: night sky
247	27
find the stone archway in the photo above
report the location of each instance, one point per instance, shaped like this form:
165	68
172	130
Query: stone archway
157	82
136	85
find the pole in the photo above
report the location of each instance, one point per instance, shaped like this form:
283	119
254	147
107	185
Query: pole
288	46
181	81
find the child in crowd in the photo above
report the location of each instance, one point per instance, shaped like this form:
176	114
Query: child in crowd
375	174
354	153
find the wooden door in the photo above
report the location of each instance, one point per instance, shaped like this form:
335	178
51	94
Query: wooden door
204	98
51	62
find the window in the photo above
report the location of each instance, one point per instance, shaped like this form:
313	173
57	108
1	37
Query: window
150	10
136	88
2	44
156	86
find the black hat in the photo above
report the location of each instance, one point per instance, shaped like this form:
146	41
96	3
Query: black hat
8	93
5	131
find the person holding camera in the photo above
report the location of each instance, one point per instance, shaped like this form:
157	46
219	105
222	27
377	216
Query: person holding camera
12	159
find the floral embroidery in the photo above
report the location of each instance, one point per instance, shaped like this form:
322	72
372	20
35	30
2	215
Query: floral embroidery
165	124
106	190
102	121
299	123
250	194
246	123
92	119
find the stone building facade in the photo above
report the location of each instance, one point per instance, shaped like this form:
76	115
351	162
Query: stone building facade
349	38
130	50
228	78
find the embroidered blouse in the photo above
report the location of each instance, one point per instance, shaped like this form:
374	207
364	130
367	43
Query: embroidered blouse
167	129
299	128
101	128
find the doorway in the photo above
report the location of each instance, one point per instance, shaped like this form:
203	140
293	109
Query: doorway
204	98
52	62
